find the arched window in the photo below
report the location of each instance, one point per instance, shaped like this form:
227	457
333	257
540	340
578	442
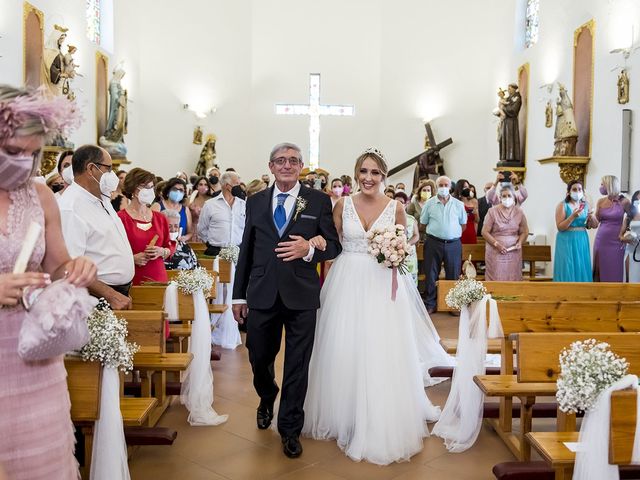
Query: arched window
531	23
94	21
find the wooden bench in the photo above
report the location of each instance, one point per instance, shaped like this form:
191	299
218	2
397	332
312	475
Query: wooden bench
538	368
224	267
549	291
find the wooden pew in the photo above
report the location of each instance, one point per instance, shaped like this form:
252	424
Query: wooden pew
198	247
530	254
622	426
538	368
550	291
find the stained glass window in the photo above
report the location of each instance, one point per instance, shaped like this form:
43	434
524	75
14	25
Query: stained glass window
93	21
531	23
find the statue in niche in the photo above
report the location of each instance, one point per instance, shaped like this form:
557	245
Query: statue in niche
197	135
623	87
113	138
53	60
548	115
509	105
566	133
207	156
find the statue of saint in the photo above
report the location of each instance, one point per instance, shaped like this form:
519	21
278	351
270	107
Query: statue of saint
623	87
566	133
113	138
509	131
197	135
548	115
53	60
207	156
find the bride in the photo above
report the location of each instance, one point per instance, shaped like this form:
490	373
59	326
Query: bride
371	354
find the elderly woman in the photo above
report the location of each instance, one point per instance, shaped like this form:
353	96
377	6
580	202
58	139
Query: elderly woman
147	230
505	230
174	197
183	257
37	440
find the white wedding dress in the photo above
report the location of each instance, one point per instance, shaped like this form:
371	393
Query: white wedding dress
370	355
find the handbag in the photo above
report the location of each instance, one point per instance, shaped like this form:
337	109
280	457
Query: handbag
55	321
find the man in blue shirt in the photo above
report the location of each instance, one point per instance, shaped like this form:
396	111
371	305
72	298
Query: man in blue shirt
443	218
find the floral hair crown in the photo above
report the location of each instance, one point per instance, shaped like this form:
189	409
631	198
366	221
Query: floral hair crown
58	114
376	152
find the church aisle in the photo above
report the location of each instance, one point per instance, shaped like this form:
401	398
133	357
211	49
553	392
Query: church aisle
238	450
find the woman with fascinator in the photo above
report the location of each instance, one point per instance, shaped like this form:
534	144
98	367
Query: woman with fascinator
37	440
371	351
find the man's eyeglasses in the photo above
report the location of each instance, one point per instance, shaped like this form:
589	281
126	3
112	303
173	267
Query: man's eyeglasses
293	161
103	165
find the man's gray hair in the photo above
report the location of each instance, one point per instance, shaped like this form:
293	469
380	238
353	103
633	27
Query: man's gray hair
284	146
228	177
170	214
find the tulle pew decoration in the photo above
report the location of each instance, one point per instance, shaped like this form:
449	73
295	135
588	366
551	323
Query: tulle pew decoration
225	328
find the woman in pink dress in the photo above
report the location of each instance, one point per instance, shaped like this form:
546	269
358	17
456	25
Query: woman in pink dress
37	440
505	230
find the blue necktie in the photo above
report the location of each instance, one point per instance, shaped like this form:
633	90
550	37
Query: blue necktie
279	215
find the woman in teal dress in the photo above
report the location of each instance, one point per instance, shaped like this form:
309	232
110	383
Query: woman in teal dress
572	259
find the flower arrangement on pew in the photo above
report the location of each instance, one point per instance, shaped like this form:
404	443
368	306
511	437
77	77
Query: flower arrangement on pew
192	281
587	368
229	253
108	339
465	292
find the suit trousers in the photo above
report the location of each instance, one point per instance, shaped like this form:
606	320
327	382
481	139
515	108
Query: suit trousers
437	251
264	336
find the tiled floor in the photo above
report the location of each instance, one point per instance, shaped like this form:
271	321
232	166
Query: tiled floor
238	450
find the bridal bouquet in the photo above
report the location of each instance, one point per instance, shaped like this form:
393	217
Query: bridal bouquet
192	281
229	253
108	339
587	368
464	292
388	246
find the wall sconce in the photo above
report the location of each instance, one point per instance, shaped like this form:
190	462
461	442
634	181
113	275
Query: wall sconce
199	113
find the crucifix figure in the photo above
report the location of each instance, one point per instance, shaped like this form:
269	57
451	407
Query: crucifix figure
429	161
314	110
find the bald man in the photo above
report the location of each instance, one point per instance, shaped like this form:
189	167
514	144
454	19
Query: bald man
443	218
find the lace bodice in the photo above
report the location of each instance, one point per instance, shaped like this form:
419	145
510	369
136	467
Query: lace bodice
354	237
24	209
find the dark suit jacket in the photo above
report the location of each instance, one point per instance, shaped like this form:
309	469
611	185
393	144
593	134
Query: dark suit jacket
260	275
483	209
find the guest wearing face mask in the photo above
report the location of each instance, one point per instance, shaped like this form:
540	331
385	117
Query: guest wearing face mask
630	236
400	187
503	178
463	193
425	190
336	192
143	226
324	181
505	230
173	198
483	206
572	259
201	193
183	258
65	170
55	183
347	183
222	218
608	250
213	175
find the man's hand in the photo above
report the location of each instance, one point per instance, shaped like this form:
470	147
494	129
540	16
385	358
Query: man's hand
294	249
240	311
119	301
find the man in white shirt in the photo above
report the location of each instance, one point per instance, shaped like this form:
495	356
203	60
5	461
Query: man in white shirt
222	218
91	227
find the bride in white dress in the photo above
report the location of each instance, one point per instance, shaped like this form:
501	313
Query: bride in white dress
370	355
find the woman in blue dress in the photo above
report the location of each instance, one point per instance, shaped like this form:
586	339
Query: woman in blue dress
572	259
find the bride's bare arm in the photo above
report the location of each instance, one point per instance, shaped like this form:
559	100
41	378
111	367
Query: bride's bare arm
337	216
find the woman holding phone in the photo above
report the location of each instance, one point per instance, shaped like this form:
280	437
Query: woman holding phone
572	259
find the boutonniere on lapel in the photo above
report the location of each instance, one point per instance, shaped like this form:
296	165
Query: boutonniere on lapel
301	204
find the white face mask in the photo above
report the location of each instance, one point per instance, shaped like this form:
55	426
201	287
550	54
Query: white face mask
67	175
109	182
146	196
636	204
507	202
399	190
576	196
174	236
443	192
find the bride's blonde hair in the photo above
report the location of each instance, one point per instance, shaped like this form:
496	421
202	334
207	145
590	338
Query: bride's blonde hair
375	155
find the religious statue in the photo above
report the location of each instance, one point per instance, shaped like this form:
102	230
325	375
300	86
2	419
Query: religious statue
566	134
113	138
623	87
508	129
207	156
548	115
53	60
197	135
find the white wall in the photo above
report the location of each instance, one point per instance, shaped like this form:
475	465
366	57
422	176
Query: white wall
396	62
70	13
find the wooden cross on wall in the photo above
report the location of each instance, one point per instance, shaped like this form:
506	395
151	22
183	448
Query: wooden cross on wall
429	161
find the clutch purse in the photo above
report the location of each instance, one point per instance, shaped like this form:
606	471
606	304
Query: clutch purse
630	236
55	321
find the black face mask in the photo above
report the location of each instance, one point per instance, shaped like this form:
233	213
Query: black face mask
466	192
213	180
238	192
56	187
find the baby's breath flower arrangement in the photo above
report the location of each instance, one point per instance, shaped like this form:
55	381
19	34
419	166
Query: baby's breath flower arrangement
192	281
587	368
108	344
464	292
229	253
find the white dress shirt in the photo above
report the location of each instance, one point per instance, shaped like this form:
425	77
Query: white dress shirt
92	228
221	224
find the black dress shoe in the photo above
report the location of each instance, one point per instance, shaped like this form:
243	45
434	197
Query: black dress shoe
264	415
291	446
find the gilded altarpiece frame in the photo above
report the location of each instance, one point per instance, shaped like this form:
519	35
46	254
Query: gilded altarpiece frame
102	93
33	43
